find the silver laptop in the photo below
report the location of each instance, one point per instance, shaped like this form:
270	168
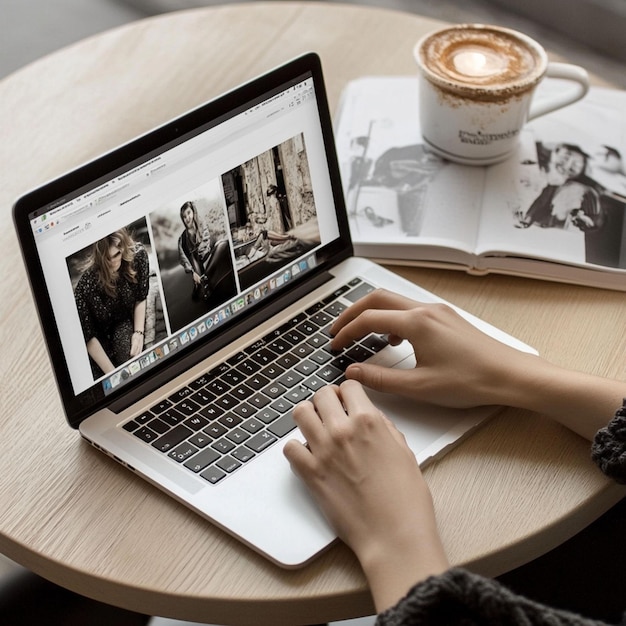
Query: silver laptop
185	283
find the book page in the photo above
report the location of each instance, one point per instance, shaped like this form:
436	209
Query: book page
397	192
562	197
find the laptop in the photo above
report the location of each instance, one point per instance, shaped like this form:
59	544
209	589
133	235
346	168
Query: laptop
185	283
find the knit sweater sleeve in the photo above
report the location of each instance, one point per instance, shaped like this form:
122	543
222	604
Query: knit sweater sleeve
460	598
609	447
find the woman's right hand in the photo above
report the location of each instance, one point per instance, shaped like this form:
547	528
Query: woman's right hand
457	364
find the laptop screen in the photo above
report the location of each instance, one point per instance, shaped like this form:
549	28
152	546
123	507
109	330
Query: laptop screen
183	233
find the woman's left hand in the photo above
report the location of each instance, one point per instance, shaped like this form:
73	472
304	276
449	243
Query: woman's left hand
368	484
136	344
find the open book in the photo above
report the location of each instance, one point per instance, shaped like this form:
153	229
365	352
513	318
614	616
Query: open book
554	210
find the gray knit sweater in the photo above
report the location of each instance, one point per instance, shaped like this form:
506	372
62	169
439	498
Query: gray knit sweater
461	598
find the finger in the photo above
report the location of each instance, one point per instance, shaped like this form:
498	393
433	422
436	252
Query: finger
329	406
383	322
355	399
378	299
299	457
384	379
309	423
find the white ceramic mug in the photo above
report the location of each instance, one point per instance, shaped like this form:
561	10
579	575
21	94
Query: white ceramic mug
476	86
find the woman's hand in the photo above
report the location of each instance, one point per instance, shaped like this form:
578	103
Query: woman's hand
457	364
460	366
136	343
369	486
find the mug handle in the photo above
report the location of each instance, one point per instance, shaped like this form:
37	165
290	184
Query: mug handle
573	73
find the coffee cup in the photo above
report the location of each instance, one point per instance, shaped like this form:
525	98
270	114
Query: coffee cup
476	87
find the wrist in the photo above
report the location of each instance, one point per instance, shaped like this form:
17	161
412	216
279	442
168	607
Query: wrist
138	332
393	568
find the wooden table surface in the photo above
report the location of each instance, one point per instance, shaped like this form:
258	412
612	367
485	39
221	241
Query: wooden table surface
516	488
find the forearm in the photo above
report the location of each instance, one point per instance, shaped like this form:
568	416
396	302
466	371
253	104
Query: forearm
97	353
582	402
139	316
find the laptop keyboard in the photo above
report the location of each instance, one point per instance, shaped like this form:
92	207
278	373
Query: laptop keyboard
238	409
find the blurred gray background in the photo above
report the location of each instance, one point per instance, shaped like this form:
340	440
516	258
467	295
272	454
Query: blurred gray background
587	32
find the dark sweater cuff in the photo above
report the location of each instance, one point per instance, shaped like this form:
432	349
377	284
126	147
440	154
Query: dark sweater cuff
608	450
460	598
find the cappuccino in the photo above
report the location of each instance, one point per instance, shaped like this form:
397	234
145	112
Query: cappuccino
480	61
476	86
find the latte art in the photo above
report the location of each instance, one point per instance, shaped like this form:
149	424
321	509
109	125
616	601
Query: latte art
463	59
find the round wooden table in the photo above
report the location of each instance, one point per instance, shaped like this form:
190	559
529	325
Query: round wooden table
513	490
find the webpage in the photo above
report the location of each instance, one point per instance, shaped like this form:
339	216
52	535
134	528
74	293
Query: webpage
161	255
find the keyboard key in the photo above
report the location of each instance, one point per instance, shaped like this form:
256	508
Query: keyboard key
359	292
248	367
329	373
317	340
281	405
223	445
245	410
268	415
182	452
200	382
211	412
200	440
260	441
215	430
287	360
289	379
258	401
314	383
242	454
297	394
335	309
263	357
233	377
145	434
196	422
172	416
130	426
283	425
159	426
242	392
280	346
230	420
161	406
202	397
306	367
321	319
271	372
258	381
144	418
238	435
177	396
321	357
359	353
375	343
188	407
274	390
253	425
173	438
303	350
205	457
227	402
213	474
228	464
